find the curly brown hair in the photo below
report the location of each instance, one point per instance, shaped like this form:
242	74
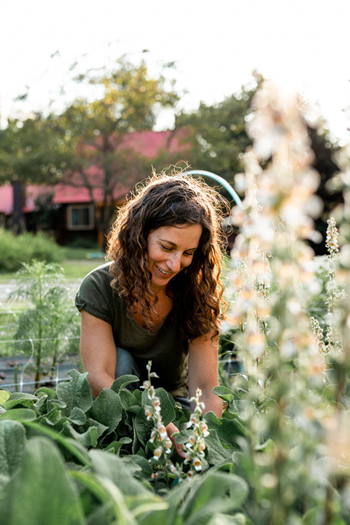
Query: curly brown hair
169	200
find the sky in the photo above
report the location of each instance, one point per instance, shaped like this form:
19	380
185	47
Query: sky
301	44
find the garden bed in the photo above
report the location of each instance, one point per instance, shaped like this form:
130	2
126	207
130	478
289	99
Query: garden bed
16	374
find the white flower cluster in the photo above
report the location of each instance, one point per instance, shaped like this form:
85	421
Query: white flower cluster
196	442
332	237
159	434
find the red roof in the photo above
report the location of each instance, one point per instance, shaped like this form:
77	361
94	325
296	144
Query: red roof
146	143
6	199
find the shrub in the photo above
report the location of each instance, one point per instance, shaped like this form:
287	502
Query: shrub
23	248
48	327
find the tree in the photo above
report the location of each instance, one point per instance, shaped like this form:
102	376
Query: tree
95	150
29	153
218	133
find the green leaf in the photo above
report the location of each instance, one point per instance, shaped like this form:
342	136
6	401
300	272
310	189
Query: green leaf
109	494
215	492
41	493
123	382
145	469
12	441
128	399
142	429
226	429
19	414
115	446
101	429
17	398
87	438
167	406
224	393
216	454
72	446
4	395
224	519
151	505
142	426
107	465
107	409
49	392
3	481
77	416
76	392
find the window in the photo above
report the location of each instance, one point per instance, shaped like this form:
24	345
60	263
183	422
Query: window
80	217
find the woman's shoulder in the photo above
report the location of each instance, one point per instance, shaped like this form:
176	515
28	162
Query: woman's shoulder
99	278
101	272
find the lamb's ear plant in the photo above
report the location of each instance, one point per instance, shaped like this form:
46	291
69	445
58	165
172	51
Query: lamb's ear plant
49	328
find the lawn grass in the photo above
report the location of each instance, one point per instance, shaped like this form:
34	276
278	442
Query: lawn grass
75	269
77	263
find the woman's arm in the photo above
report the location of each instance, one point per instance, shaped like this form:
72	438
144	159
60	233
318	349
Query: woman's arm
98	352
203	372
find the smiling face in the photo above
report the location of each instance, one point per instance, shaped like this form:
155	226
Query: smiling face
170	249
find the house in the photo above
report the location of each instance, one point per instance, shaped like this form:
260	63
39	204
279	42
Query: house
71	211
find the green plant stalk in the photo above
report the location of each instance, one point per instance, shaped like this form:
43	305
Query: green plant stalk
15	377
38	356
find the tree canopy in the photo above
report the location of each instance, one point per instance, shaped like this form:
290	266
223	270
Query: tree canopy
218	133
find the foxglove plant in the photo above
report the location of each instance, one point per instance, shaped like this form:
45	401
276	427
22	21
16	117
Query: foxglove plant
281	359
161	443
196	442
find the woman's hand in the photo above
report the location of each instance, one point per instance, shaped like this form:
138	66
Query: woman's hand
180	449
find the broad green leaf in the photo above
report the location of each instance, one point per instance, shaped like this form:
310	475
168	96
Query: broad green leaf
167	405
145	467
49	392
227	429
216	453
101	429
76	392
115	446
123	382
41	404
109	494
107	409
107	465
224	519
150	505
128	399
72	446
142	429
3	481
210	493
77	416
17	398
12	441
52	417
19	414
41	492
224	393
87	438
142	426
4	395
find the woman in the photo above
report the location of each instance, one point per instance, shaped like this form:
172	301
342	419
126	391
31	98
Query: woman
159	299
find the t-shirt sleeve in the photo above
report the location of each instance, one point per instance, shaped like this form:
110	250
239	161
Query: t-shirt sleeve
95	295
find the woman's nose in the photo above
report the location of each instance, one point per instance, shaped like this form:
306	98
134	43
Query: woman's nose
174	262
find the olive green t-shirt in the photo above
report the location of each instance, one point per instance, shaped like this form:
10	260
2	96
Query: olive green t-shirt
162	346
